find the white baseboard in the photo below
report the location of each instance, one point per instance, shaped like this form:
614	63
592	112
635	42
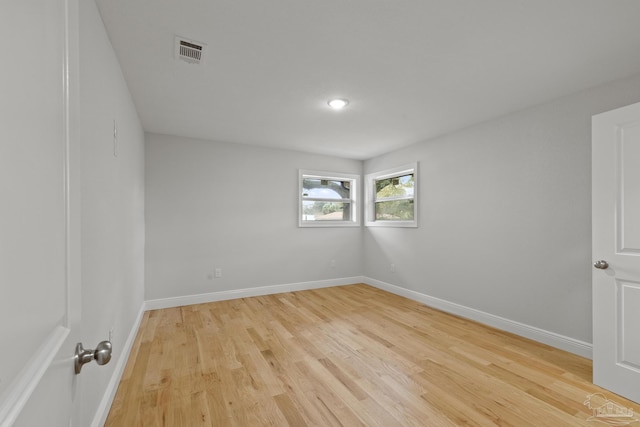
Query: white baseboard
102	412
248	292
553	339
562	342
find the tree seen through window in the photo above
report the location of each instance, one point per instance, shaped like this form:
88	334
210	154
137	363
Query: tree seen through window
394	198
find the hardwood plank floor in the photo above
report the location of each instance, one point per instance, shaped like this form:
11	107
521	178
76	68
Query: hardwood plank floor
344	356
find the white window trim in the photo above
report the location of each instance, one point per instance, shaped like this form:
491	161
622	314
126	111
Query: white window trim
355	198
370	209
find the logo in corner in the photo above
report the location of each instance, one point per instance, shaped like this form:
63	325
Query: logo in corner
607	411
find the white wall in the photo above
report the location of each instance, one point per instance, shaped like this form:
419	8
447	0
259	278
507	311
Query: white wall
216	205
505	215
112	199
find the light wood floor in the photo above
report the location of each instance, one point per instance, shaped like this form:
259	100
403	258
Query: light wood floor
344	356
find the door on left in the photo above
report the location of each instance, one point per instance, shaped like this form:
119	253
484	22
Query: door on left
39	270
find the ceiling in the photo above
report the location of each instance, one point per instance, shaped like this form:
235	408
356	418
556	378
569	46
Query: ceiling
412	69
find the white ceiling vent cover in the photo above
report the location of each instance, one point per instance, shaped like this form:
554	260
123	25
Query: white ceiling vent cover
189	50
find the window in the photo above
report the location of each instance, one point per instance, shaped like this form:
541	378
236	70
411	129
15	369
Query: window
392	197
328	199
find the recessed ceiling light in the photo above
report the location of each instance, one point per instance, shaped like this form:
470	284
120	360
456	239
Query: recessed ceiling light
338	104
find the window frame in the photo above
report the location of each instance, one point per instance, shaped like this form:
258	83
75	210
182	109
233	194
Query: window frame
370	196
330	176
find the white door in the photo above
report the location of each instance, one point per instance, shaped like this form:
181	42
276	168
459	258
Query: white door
616	242
39	245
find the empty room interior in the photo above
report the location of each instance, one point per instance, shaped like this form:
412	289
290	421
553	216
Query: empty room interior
330	213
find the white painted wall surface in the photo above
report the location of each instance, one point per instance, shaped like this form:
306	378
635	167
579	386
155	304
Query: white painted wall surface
217	205
505	215
112	204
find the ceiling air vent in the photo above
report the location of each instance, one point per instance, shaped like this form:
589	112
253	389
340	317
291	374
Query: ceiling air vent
189	51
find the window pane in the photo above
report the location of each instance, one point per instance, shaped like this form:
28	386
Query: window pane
397	186
326	211
326	189
395	210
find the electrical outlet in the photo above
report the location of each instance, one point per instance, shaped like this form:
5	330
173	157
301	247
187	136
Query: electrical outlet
332	263
218	273
393	268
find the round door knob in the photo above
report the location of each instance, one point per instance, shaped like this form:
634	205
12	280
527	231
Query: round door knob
601	264
102	353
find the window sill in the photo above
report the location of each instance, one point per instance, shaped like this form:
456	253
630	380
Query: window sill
392	224
328	225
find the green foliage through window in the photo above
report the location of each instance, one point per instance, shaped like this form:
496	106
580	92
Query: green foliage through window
397	210
394	198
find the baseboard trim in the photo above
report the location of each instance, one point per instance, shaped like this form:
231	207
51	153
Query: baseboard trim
156	304
102	412
553	339
562	342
